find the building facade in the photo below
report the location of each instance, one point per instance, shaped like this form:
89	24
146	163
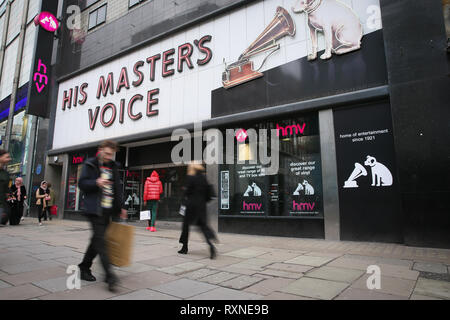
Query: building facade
345	99
18	35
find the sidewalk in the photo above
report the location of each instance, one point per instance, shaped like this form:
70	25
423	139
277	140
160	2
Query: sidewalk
34	260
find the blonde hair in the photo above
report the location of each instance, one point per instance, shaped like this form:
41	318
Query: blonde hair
195	167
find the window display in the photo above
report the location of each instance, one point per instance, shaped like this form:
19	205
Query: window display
295	190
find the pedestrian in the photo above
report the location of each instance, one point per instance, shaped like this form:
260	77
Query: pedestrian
103	200
42	196
19	195
152	192
5	158
51	200
196	194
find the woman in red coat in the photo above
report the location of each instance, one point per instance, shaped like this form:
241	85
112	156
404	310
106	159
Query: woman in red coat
152	191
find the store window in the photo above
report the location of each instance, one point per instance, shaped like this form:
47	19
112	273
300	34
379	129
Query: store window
294	191
132	3
97	17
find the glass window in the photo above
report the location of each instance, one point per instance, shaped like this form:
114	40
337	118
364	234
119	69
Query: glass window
97	17
132	3
294	190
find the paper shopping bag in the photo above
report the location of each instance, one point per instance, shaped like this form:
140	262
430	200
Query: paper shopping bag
145	215
119	243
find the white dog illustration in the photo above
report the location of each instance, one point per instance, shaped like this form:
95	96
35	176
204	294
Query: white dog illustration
297	191
381	176
309	190
340	26
256	190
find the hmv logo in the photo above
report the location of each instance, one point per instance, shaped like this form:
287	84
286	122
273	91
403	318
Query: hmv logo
303	206
290	130
251	206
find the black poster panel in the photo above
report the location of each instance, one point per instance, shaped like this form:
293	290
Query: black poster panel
369	199
40	80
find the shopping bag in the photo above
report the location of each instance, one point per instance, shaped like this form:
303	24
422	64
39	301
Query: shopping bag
182	210
145	215
54	210
119	243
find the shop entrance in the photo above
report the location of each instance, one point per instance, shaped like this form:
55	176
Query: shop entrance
172	178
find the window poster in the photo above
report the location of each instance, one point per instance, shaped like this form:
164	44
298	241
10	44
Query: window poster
303	186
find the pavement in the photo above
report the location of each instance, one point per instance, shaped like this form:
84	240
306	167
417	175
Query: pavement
34	261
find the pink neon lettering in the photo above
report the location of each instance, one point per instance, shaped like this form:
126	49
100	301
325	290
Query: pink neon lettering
301	206
290	130
42	77
251	206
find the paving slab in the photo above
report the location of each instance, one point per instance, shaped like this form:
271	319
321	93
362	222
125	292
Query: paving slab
200	273
144	294
398	271
389	285
97	291
285	296
182	268
310	261
279	274
4	284
146	280
246	253
167	261
13	258
288	267
280	255
315	288
220	261
433	288
421	297
29	266
323	254
58	284
136	267
184	288
352	263
335	274
269	286
226	294
23	292
361	294
241	282
219	277
430	267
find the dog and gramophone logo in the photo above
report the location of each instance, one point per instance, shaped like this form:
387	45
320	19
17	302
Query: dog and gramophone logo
339	24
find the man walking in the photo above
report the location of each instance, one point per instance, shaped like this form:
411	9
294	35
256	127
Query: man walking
103	199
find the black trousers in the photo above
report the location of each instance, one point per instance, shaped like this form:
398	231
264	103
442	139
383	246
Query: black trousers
98	244
208	233
42	213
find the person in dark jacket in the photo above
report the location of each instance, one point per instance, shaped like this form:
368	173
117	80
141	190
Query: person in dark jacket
5	158
197	193
19	195
152	192
103	200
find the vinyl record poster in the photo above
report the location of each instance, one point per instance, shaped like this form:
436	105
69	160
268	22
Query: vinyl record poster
367	181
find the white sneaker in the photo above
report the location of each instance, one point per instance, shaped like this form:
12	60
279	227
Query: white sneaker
21	219
40	223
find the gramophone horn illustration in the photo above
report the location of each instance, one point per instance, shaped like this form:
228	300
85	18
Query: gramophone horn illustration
357	172
242	70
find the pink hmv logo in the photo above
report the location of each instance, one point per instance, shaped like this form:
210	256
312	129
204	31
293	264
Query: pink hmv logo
47	21
43	79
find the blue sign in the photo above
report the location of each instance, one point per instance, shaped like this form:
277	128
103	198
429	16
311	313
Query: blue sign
38	169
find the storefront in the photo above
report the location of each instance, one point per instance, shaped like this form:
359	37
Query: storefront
326	96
